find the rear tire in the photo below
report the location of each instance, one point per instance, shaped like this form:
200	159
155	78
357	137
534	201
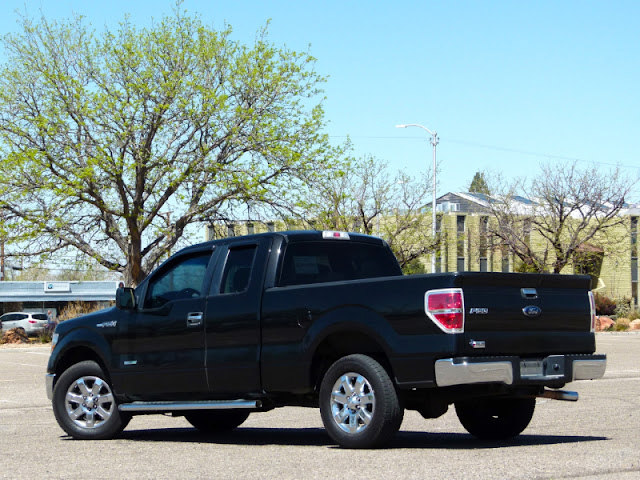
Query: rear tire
84	404
216	421
359	404
496	418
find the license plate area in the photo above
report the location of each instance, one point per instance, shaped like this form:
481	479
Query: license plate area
552	367
531	368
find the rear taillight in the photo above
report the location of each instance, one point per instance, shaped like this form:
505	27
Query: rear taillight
592	308
32	321
446	309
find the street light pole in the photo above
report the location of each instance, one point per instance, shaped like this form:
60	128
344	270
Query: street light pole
434	142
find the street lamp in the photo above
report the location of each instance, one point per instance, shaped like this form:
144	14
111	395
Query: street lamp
434	142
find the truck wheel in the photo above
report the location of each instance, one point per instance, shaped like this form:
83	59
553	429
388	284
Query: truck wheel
496	418
84	404
359	404
211	421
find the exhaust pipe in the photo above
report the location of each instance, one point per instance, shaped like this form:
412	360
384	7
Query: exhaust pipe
560	395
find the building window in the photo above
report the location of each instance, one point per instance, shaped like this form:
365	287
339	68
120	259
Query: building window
460	225
484	227
505	258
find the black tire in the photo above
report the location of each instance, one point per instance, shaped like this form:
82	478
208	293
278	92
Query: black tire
496	418
216	421
84	404
359	404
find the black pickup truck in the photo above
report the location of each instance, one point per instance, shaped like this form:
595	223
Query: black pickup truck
322	319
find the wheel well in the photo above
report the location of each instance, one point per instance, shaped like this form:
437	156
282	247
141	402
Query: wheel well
76	355
341	344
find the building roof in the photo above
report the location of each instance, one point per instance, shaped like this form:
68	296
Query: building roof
473	202
43	291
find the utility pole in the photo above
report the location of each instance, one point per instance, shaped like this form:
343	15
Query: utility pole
434	141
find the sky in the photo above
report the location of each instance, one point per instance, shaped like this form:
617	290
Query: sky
507	85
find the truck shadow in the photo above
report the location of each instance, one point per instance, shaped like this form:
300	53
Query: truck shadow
318	437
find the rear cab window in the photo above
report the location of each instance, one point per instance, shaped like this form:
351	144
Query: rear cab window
310	262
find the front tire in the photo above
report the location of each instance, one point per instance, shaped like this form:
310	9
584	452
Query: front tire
496	418
84	404
359	404
217	421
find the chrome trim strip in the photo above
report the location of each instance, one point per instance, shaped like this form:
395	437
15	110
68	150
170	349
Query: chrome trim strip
49	380
589	369
174	406
450	373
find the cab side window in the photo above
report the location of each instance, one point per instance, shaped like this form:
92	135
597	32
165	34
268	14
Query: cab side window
182	280
237	269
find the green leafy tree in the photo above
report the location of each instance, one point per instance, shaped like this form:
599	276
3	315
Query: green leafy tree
479	184
116	143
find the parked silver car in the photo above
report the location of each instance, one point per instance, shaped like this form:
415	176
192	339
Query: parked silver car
33	323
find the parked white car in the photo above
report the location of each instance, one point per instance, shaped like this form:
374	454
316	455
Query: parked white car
33	323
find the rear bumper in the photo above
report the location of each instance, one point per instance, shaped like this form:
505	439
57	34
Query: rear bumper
551	370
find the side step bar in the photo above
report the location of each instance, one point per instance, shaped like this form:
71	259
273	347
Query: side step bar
560	395
199	405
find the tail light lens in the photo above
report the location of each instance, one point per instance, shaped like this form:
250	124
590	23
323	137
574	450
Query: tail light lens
592	308
446	309
32	321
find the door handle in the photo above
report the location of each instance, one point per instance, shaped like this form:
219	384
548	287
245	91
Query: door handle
194	319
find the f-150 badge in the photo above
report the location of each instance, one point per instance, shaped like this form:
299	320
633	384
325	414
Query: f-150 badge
478	311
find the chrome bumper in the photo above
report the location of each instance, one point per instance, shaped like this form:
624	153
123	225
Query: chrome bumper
589	369
507	370
49	380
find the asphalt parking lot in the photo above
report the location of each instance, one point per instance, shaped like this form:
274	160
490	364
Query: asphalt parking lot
596	438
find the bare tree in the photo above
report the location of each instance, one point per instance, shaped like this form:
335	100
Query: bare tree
367	197
564	211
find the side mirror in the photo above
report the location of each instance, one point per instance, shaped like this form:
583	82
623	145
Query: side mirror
125	298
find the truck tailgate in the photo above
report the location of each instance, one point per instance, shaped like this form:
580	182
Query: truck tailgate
526	314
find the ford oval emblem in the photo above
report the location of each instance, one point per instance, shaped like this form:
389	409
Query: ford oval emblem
532	311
